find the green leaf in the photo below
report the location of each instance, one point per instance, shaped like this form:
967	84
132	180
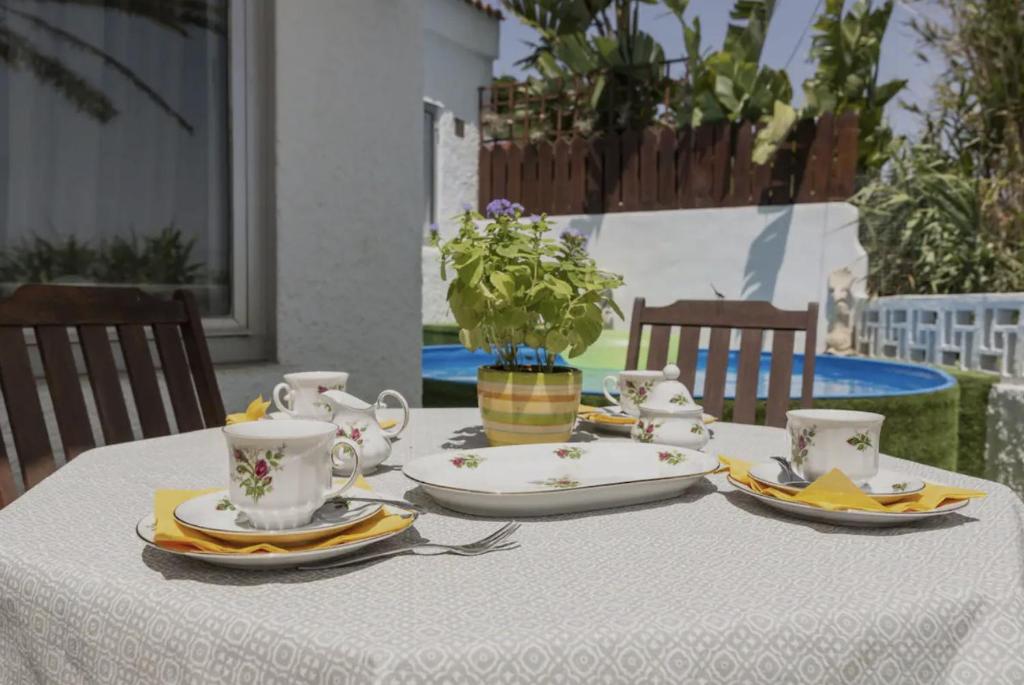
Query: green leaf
556	342
778	127
503	284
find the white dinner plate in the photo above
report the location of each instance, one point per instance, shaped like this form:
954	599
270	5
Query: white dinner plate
885	486
861	519
214	515
557	478
265	561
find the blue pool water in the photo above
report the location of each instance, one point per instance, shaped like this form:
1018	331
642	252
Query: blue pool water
834	377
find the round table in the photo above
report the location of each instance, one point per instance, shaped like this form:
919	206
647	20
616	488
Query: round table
710	586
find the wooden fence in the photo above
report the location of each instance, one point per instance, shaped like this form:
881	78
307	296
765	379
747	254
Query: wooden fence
660	168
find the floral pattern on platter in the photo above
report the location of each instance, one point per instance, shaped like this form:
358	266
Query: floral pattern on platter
671	457
469	461
802	440
569	452
562	483
253	467
680	399
861	441
900	487
638	391
353	431
224	504
643	431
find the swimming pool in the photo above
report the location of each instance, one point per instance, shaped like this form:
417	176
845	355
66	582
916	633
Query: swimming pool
834	377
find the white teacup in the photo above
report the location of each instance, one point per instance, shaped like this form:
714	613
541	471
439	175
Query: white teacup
824	439
280	471
634	388
299	395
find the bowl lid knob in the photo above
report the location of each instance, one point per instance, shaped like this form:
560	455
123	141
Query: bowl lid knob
671	372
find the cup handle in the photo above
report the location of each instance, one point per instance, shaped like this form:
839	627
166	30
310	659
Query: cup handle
339	443
283	402
615	384
397	430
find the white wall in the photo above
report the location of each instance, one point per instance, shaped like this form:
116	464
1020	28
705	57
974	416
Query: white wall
348	147
460	46
780	254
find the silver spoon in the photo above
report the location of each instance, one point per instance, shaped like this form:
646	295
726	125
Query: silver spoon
789	476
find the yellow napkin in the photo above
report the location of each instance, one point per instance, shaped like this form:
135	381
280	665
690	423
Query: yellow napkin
256	410
834	491
595	415
173	536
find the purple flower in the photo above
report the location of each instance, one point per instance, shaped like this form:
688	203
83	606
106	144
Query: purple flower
534	218
502	207
574	239
261	468
466	207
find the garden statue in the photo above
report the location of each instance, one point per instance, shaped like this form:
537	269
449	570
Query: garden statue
840	325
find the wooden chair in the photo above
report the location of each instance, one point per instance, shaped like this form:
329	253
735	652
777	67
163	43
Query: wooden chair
50	310
752	319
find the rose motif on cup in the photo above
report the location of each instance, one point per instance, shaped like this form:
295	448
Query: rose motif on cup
569	452
802	439
671	457
353	431
643	431
861	441
469	461
253	467
637	391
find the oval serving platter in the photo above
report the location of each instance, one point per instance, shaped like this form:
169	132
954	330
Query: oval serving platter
557	478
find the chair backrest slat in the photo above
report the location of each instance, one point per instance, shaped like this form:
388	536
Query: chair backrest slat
751	319
198	352
177	377
745	408
106	386
779	379
65	390
810	345
142	376
657	350
686	360
716	370
50	310
31	440
8	491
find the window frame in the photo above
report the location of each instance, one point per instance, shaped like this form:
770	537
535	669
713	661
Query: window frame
245	334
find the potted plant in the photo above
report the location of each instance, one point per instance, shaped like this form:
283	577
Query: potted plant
526	298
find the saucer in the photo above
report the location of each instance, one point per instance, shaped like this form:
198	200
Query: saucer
214	515
886	486
848	517
146	530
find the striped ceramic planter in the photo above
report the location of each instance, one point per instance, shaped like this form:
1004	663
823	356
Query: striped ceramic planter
523	407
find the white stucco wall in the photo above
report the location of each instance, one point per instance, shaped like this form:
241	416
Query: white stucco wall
780	254
460	46
348	151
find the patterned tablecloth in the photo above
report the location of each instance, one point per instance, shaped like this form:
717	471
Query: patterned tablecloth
709	587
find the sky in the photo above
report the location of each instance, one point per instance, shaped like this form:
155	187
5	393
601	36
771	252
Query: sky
787	45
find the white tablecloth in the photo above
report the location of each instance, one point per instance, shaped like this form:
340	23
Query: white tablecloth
710	587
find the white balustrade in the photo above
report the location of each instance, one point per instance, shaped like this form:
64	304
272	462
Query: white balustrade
983	332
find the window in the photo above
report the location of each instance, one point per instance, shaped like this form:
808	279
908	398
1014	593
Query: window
429	160
125	147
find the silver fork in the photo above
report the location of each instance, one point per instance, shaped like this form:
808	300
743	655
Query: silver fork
495	542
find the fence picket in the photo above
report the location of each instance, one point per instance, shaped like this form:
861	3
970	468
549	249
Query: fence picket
561	200
666	198
649	169
661	168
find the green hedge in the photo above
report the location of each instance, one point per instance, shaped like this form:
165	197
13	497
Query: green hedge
973	419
